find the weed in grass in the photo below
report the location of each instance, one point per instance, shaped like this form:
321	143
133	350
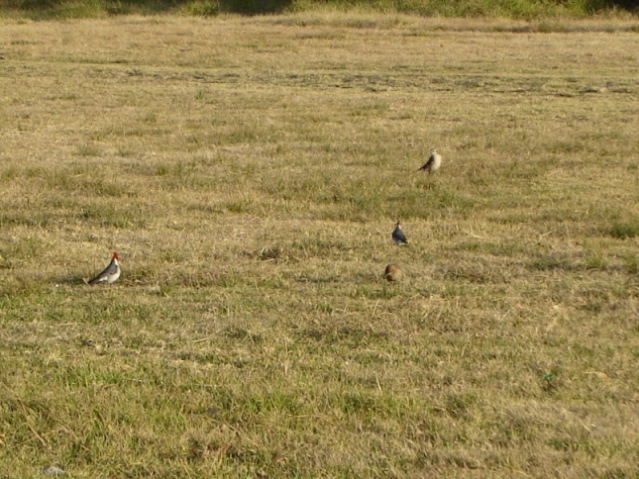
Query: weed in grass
88	149
632	263
106	215
624	230
595	260
204	8
36	219
125	152
551	262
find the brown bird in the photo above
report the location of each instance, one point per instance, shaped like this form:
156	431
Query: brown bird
393	272
433	163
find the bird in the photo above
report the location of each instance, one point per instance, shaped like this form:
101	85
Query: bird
433	163
398	234
393	272
110	274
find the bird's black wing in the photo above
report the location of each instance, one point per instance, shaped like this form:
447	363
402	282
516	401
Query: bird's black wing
111	269
426	165
399	236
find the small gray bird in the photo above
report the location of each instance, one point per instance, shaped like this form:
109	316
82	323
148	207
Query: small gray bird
433	163
398	234
110	274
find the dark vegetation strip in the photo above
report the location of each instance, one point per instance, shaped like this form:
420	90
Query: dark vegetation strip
529	9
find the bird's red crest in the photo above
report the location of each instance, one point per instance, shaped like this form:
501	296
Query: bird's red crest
115	256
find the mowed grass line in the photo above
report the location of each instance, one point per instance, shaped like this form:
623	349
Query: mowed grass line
249	173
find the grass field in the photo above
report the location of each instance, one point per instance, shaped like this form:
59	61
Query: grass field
249	173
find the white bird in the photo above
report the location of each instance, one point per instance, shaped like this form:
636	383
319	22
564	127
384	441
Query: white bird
110	274
398	234
433	163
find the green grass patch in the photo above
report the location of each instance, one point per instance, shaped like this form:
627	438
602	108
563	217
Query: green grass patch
624	230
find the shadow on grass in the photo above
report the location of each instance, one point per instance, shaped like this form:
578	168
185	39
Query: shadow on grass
74	280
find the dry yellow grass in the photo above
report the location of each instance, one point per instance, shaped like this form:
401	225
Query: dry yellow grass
249	173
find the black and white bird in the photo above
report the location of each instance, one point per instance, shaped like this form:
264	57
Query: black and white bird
433	163
398	234
110	274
